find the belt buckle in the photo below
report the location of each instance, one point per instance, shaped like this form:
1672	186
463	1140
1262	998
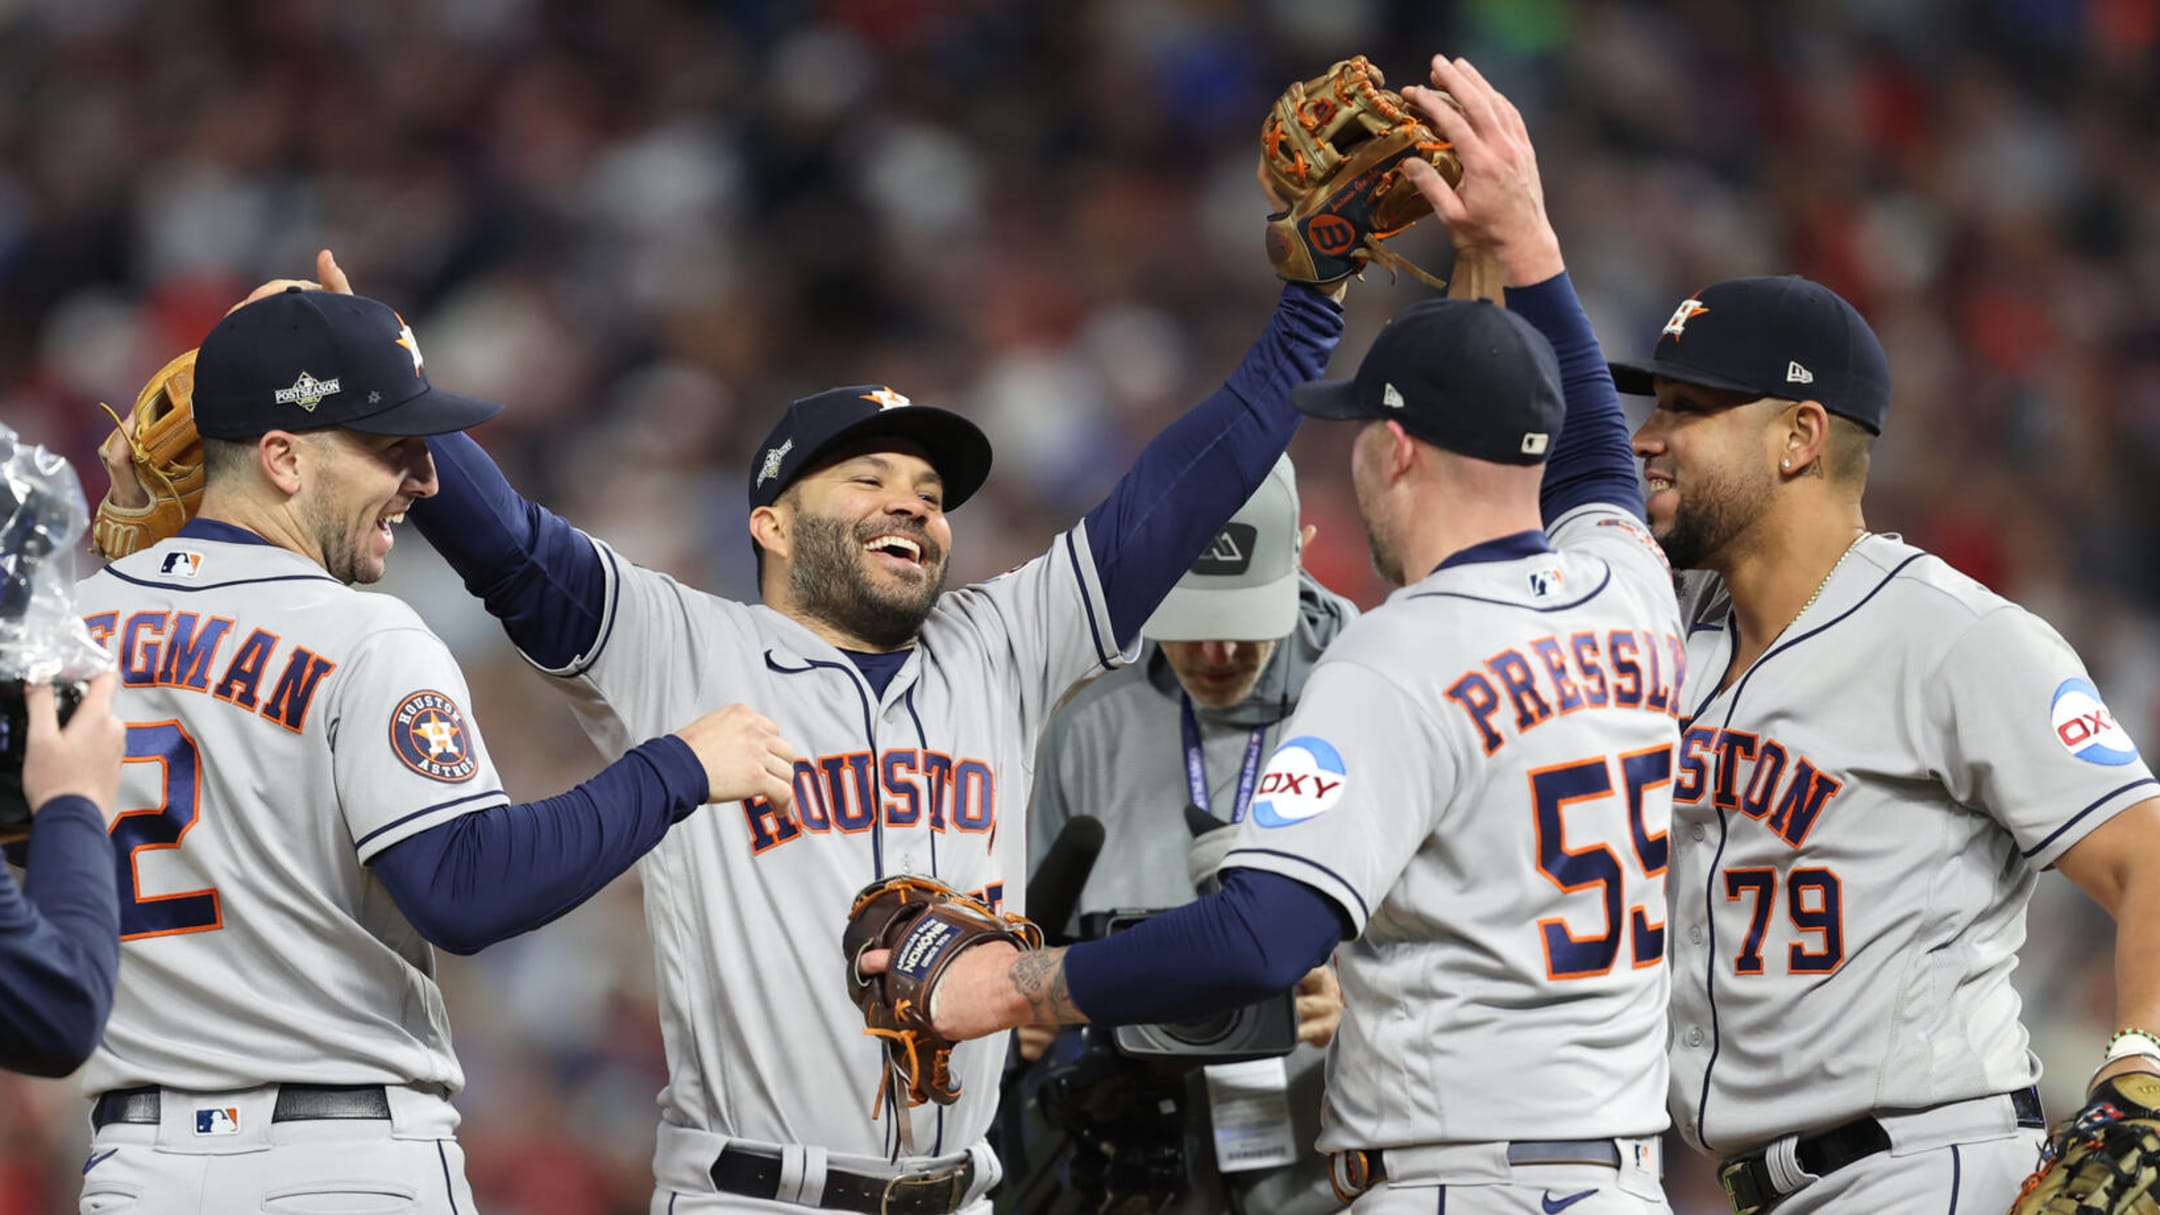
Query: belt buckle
926	1177
1742	1189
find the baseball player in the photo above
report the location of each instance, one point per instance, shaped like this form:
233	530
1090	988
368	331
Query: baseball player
305	805
917	710
59	933
1880	755
1475	789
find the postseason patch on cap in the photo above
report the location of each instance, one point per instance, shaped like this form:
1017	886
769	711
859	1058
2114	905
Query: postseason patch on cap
1305	778
428	733
2085	728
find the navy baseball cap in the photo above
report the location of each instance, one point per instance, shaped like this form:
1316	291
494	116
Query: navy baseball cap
310	360
1464	375
1785	337
815	425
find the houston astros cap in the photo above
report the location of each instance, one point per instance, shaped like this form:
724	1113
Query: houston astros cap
1244	587
1464	375
310	360
1784	337
817	424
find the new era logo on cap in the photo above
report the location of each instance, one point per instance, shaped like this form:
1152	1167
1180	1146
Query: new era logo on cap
1390	397
1796	374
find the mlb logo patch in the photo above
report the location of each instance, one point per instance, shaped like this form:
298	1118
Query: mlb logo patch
181	563
224	1121
1545	581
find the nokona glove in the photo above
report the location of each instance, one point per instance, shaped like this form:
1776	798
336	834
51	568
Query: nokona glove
2107	1161
168	458
1334	147
926	924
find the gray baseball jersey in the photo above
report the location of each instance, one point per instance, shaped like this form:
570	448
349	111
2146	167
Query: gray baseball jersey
1859	820
283	728
746	902
1480	775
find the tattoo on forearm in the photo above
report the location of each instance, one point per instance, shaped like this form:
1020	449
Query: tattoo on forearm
1039	976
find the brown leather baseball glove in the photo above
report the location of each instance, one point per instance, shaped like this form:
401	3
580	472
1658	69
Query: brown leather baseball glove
2107	1161
1332	148
926	924
161	445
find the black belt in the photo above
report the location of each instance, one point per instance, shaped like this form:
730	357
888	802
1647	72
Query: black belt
755	1174
1752	1190
1355	1171
295	1103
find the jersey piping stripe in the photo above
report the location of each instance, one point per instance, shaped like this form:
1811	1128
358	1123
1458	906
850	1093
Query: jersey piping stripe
1364	912
584	662
1595	591
2103	800
1072	554
1711	955
362	842
1957	1176
449	1187
218	586
922	739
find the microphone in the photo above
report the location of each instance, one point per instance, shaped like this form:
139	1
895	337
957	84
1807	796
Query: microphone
1054	891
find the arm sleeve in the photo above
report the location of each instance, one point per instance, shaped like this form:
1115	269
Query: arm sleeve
1255	937
2017	728
1196	474
403	753
1352	791
59	943
490	875
537	574
1592	461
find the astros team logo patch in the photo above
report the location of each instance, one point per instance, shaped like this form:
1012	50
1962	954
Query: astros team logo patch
428	734
1305	777
2085	728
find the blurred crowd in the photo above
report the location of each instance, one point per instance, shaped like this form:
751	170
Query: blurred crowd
648	224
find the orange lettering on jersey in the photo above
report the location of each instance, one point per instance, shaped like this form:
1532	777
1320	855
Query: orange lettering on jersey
295	689
937	770
1751	777
1588	669
140	650
1677	649
899	771
101	626
854	792
769	828
242	681
974	793
191	649
1475	694
1627	673
1513	672
1565	691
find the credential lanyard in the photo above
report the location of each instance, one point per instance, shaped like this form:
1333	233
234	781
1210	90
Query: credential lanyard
1196	781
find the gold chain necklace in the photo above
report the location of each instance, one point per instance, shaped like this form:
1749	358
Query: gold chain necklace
1826	579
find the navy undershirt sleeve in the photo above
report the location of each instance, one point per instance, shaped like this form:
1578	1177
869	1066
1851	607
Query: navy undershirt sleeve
1592	460
1194	475
59	942
537	574
1255	937
492	874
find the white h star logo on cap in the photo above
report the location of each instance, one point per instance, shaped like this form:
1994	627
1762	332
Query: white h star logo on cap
886	398
410	343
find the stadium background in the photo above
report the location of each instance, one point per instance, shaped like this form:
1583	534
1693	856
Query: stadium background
647	225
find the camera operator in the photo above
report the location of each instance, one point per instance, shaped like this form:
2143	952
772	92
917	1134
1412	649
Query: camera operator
1190	723
60	928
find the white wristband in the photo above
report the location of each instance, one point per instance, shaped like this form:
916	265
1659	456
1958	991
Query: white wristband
2130	1043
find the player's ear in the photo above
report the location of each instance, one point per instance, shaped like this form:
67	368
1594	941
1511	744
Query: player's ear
769	528
282	455
1804	439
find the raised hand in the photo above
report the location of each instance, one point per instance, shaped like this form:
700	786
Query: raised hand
1500	202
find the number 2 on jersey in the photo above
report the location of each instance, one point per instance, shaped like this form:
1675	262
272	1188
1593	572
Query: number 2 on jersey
1552	791
161	826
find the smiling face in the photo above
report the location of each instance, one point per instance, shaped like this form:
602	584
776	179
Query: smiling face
360	486
867	541
1709	458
